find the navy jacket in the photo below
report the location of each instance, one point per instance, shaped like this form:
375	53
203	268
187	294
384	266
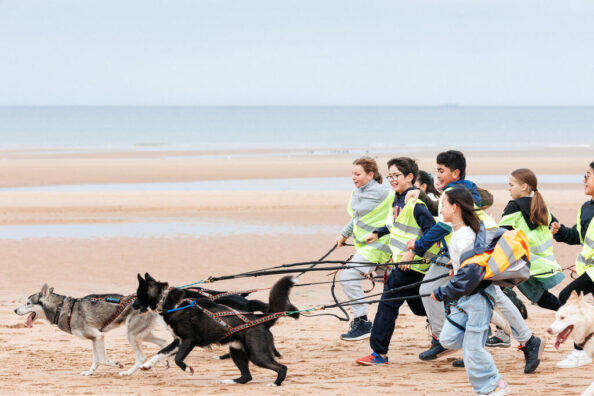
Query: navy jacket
570	235
470	277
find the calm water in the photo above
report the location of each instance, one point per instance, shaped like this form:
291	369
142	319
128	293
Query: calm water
244	127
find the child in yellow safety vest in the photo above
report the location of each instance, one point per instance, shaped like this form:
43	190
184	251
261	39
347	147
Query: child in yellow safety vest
581	233
370	203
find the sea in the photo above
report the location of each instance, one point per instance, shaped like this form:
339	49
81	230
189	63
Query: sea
295	127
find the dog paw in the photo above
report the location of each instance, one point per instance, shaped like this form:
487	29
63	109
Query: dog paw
146	367
119	365
189	370
273	384
127	372
165	363
87	373
227	382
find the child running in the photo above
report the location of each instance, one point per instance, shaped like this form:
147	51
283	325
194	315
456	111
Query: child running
468	323
370	204
451	173
426	184
581	233
528	212
407	220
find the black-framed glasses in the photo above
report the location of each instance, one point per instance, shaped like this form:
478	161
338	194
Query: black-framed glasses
394	176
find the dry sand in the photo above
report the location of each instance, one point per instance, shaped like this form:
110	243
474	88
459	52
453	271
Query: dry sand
45	360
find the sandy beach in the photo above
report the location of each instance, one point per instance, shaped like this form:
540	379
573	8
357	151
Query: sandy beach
44	360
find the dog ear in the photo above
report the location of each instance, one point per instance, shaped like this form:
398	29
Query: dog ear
573	295
51	289
140	279
148	277
44	290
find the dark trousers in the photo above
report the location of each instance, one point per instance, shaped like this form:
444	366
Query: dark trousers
582	284
387	312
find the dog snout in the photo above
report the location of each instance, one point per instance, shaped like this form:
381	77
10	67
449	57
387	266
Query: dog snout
550	330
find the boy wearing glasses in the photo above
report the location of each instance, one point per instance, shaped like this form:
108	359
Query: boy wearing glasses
406	221
580	234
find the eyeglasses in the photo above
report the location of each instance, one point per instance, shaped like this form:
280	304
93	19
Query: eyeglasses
394	176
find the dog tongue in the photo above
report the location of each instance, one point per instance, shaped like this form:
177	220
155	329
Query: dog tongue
30	319
558	343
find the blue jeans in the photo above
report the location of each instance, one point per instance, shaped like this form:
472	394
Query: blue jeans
479	364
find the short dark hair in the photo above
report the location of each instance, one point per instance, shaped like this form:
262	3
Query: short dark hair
406	166
453	159
592	164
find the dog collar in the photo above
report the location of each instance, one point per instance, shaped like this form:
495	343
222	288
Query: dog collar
586	340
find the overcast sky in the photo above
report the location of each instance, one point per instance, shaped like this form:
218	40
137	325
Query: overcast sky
319	52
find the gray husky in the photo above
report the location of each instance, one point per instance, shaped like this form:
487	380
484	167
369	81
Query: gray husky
91	316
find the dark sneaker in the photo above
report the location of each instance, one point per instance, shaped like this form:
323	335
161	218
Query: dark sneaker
434	352
360	329
532	353
499	339
372	360
516	300
458	363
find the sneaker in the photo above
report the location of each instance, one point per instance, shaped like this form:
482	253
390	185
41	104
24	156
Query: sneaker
501	389
435	351
360	329
532	353
575	359
499	339
458	363
372	360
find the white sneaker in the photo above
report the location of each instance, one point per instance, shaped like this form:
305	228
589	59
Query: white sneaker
575	359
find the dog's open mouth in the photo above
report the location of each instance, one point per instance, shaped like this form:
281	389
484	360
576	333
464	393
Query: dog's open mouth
30	319
561	337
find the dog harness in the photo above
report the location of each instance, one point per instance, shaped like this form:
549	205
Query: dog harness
217	316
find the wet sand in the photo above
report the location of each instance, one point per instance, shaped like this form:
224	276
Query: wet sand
46	360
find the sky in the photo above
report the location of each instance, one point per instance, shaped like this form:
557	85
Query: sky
310	53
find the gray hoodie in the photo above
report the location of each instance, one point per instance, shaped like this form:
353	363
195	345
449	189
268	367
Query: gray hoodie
364	200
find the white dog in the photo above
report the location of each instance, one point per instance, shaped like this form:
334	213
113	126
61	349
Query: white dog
575	318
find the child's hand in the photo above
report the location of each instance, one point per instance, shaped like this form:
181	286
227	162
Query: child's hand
408	256
371	238
555	227
412	194
340	240
410	244
433	296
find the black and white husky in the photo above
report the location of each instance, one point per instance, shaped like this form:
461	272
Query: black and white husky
197	327
90	317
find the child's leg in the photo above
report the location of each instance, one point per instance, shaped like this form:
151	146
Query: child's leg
351	284
520	330
387	312
479	364
583	284
434	309
451	336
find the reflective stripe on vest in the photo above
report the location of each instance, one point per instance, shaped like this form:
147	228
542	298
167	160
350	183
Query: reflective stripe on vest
542	259
511	247
378	251
404	228
585	259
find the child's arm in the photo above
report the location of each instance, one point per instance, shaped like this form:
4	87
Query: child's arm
434	235
423	218
564	234
463	283
432	205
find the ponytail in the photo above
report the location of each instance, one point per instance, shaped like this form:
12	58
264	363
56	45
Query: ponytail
539	214
369	165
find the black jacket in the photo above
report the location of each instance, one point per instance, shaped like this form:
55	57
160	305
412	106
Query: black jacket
522	205
570	235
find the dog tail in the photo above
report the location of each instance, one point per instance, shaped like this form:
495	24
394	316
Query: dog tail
279	298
